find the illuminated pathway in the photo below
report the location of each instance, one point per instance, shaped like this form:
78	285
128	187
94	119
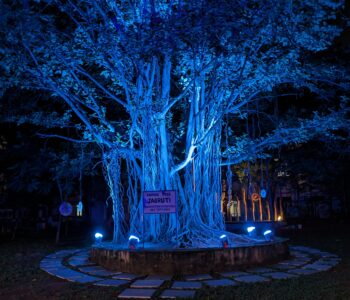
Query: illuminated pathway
73	265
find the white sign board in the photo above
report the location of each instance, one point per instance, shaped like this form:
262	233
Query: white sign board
159	202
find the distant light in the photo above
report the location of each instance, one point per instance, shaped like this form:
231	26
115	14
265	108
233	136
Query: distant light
279	218
133	237
267	232
223	236
250	229
263	193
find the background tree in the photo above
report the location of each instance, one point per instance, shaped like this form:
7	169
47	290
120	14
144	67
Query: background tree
154	84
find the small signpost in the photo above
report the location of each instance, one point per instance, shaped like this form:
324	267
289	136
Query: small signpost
159	202
66	209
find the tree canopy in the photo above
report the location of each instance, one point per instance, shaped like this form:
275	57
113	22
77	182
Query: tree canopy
161	86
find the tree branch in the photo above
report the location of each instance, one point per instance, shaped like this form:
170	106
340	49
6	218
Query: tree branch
66	138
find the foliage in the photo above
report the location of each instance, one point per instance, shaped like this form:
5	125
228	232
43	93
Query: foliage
32	164
154	83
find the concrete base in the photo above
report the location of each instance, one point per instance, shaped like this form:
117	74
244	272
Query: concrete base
189	261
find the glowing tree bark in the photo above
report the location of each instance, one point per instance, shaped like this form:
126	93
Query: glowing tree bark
151	82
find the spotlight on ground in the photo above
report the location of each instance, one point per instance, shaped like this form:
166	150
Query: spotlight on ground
224	241
268	235
133	242
251	230
98	237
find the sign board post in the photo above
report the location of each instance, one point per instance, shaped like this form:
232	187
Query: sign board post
65	209
159	202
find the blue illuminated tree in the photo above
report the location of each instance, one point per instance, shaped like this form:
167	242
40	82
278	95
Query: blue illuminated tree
158	84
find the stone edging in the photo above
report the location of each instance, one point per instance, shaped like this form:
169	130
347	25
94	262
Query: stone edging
74	265
189	261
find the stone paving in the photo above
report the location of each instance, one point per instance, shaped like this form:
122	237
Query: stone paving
74	265
147	283
219	282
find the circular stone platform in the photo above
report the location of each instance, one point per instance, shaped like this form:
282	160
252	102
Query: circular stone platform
74	265
189	261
